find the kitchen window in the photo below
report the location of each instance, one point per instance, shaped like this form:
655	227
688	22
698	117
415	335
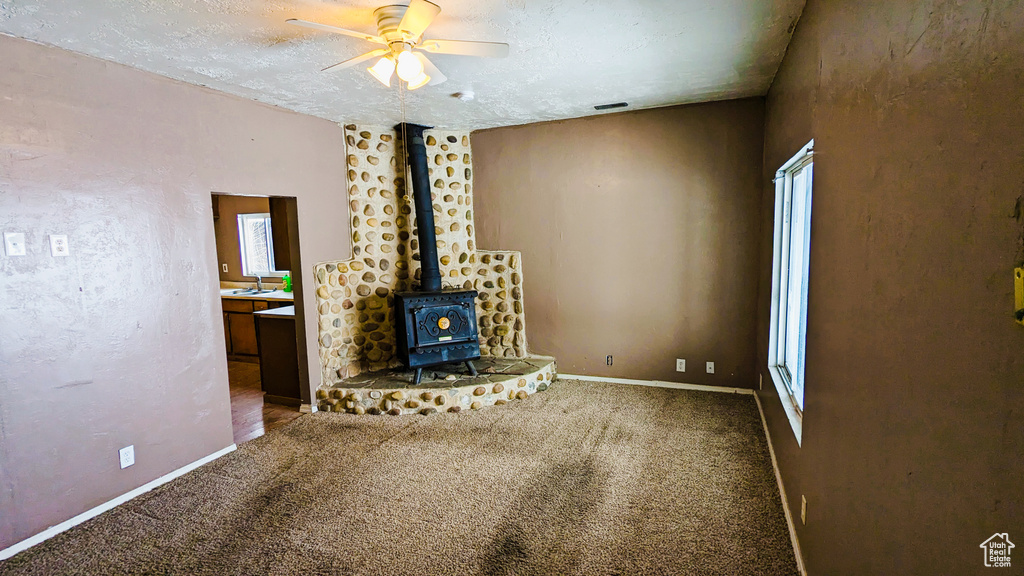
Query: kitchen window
790	272
257	245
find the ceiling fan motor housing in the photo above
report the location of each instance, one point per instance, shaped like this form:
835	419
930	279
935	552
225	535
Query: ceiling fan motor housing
388	19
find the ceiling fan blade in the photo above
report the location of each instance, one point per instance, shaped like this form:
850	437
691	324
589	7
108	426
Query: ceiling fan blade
465	48
353	61
417	17
436	77
336	30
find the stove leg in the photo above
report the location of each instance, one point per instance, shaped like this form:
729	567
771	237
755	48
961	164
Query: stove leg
419	375
472	369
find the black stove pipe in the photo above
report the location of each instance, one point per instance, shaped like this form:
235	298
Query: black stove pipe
416	156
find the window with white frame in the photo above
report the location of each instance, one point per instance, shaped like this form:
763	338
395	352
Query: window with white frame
790	268
257	245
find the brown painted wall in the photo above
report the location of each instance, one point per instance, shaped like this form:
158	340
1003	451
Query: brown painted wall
639	237
914	421
122	342
226	228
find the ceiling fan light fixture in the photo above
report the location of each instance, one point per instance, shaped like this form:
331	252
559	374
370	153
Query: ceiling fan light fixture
400	29
383	70
418	82
409	67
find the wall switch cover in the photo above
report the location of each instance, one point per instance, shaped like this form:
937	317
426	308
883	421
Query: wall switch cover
223	267
711	367
14	243
59	245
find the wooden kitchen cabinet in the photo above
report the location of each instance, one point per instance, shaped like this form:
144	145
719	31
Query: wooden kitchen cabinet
279	361
240	325
242	330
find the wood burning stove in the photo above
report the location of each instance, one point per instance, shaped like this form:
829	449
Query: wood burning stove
434	326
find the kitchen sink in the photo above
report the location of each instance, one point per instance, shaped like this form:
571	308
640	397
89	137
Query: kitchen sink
252	291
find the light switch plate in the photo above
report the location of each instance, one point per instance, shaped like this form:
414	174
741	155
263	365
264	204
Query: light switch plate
224	267
14	243
59	245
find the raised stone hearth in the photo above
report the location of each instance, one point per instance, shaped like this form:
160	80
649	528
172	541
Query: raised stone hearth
355	298
447	388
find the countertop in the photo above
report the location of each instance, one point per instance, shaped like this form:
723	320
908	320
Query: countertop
275	295
282	312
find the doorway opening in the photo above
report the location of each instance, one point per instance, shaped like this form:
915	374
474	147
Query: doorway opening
260	285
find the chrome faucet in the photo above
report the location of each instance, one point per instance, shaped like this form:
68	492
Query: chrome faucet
259	283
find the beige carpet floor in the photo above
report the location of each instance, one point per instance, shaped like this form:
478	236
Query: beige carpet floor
582	479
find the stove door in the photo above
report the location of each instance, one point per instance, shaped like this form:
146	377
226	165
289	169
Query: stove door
441	324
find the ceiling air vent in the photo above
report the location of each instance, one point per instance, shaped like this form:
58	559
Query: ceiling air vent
610	106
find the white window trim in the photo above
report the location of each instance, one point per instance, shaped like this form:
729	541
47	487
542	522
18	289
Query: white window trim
783	185
270	247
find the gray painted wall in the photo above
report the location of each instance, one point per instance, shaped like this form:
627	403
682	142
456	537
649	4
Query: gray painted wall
122	342
914	421
639	237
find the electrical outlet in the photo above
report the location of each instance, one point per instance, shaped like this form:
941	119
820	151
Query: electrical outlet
127	455
608	360
711	367
14	243
224	267
680	365
803	509
59	245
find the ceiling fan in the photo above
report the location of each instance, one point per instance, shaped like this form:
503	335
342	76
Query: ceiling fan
400	28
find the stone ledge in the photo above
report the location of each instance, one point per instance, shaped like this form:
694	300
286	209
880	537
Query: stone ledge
446	388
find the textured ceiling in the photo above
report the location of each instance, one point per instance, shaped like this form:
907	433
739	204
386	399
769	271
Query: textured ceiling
566	56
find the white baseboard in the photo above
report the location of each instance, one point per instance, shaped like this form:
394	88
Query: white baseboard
659	384
782	492
307	408
54	530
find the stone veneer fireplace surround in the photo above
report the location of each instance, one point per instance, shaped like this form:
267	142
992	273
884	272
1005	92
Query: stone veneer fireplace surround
355	297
